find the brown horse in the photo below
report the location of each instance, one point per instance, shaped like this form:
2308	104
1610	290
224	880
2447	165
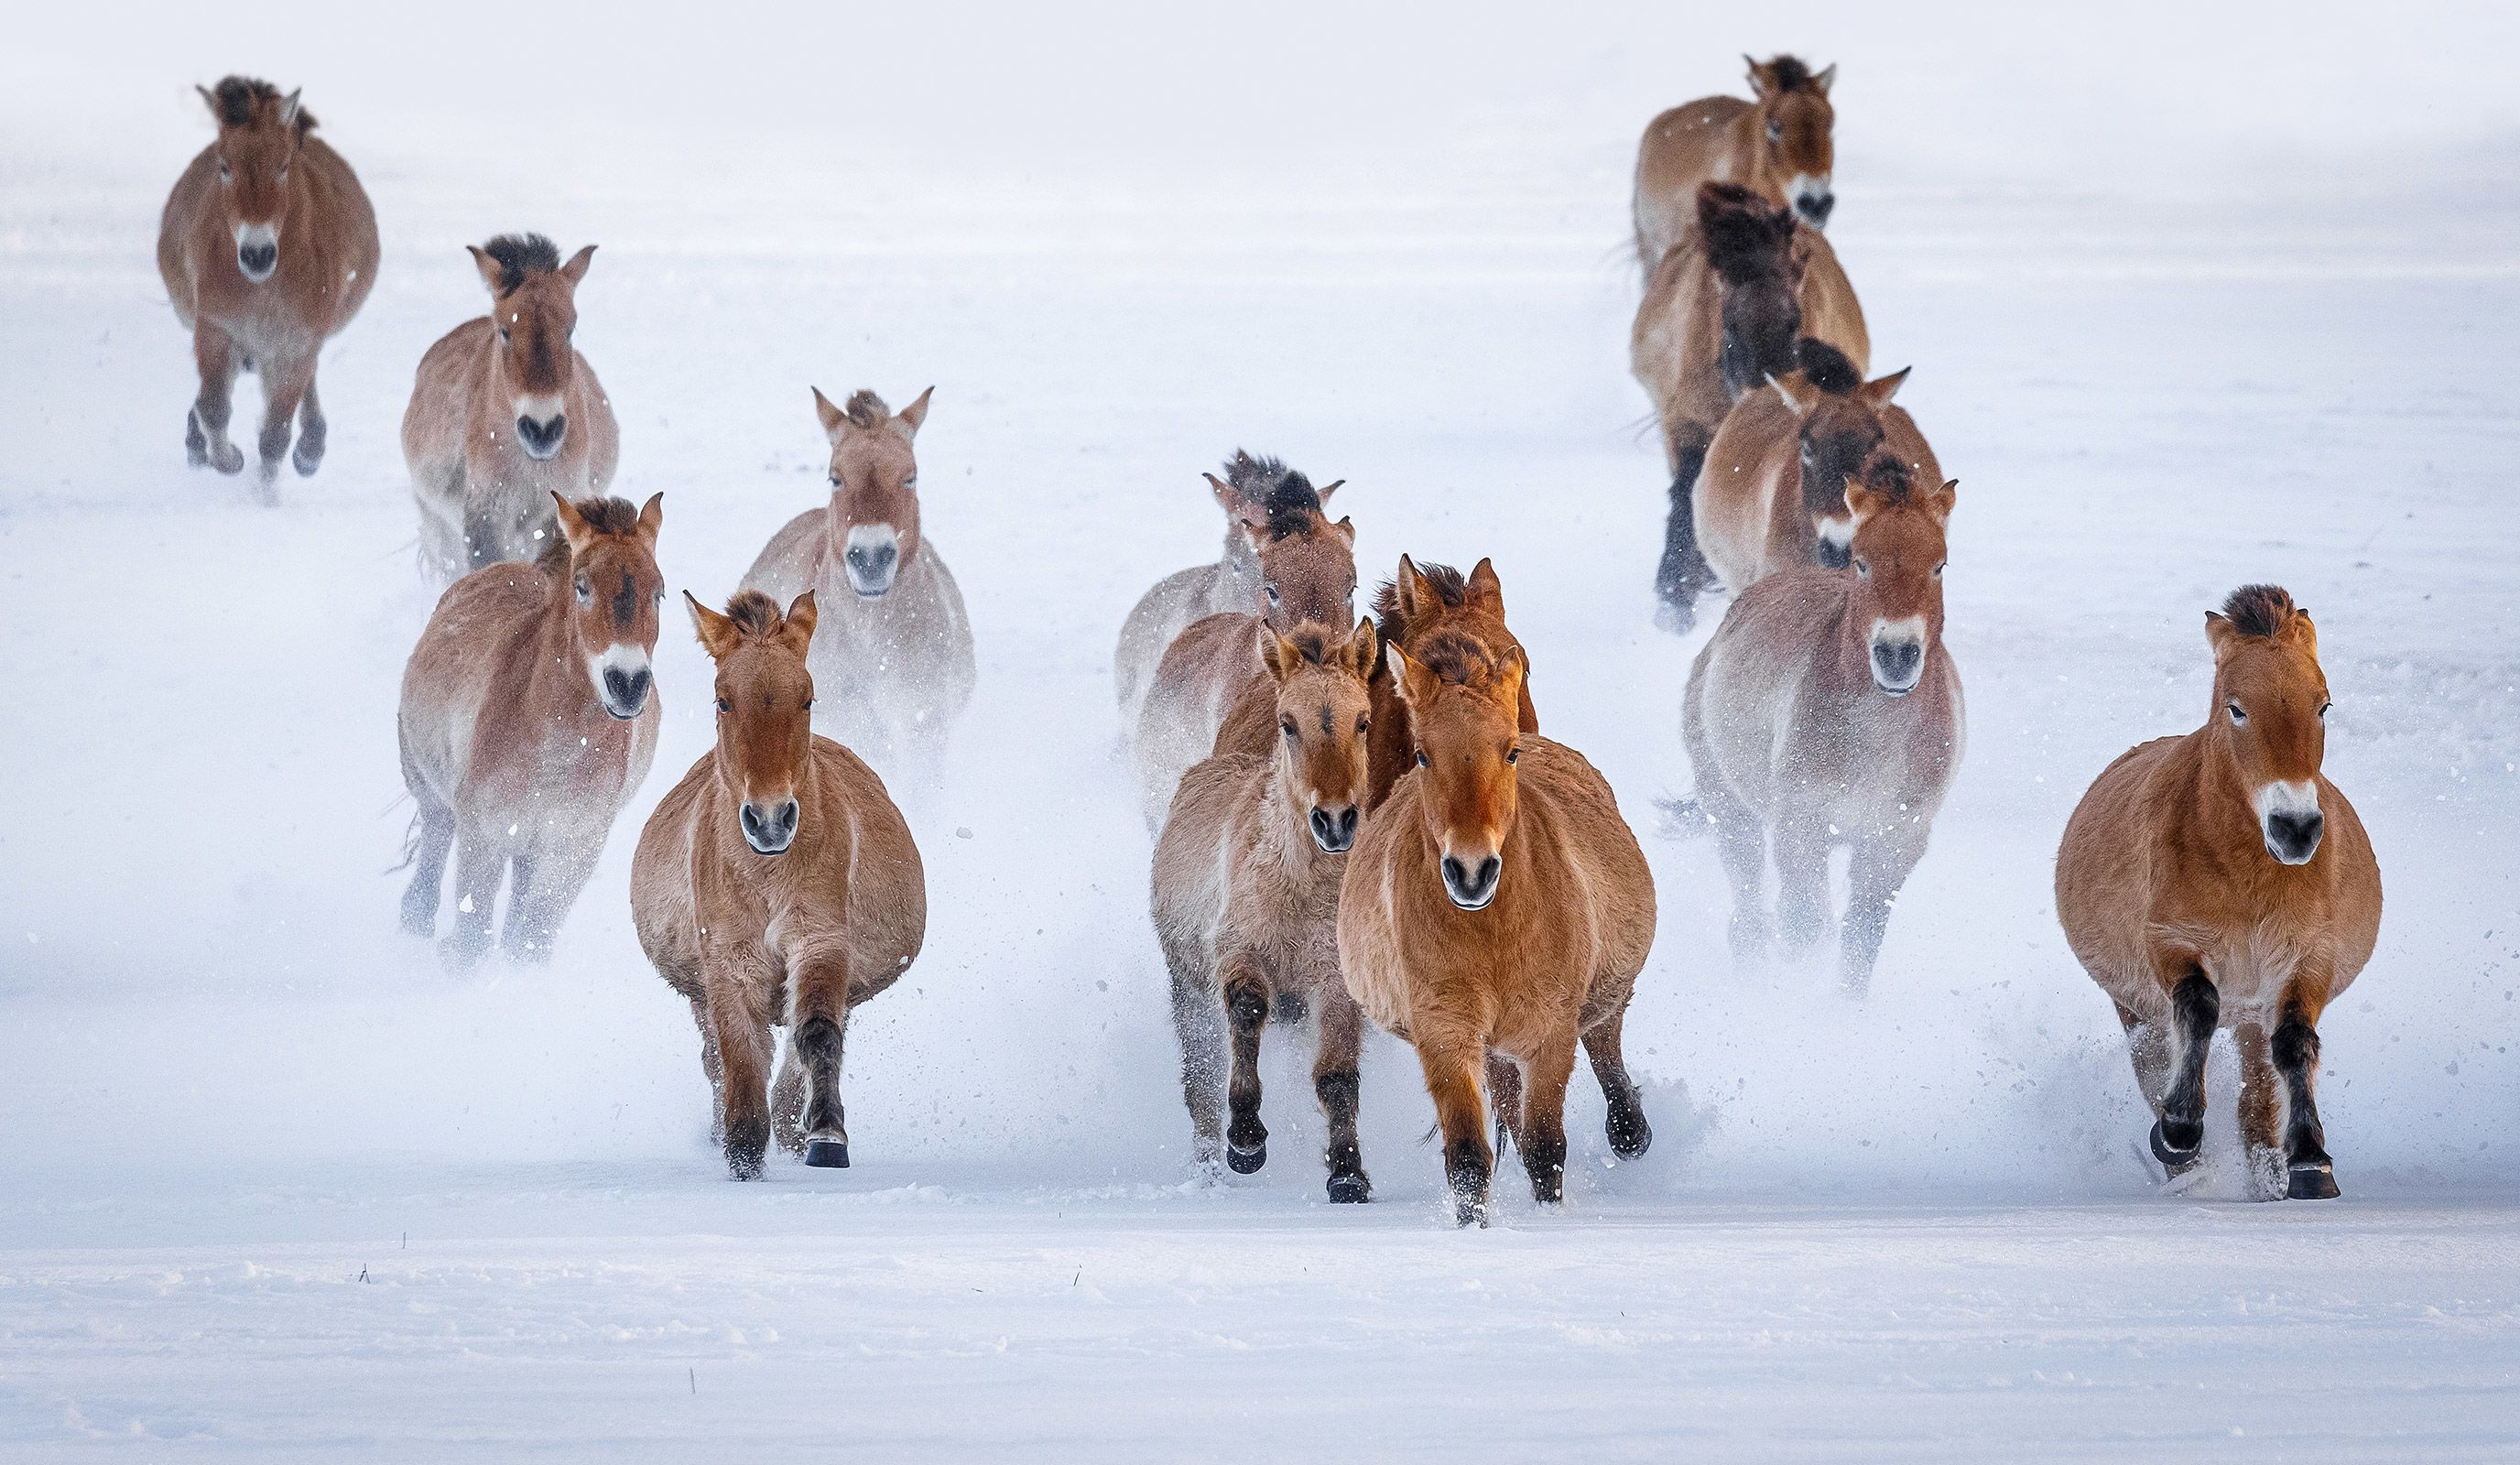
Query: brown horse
506	415
1723	314
775	884
527	723
1231	582
1772	492
1246	902
1307	573
268	248
2219	879
892	651
1497	905
1824	712
1778	146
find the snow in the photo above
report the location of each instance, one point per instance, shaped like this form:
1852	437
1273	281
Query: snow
1389	247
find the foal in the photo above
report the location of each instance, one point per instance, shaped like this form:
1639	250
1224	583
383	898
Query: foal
1307	573
1772	492
892	651
1231	582
775	884
268	248
1824	712
2219	879
1497	905
506	415
1245	901
1777	145
527	722
1723	314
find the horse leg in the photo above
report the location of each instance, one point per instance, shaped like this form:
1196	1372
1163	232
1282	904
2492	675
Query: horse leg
788	1100
2261	1111
2196	1006
285	380
819	1020
1246	1012
478	864
1802	879
1741	841
205	428
713	1069
1879	871
1504	1100
1451	1060
1335	1083
1543	1141
2310	1175
1199	1023
312	432
429	844
1683	571
1605	1044
545	886
744	1052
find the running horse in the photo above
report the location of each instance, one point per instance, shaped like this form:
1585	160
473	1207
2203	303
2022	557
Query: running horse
1231	583
1780	145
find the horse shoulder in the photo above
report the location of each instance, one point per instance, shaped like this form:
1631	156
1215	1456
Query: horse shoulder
1369	939
789	564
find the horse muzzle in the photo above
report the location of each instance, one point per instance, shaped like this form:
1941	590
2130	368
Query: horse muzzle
2289	818
1813	200
258	251
541	438
1898	655
1334	833
1472	886
770	829
873	560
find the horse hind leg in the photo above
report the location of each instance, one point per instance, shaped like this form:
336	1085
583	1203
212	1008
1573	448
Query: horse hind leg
1605	1044
1335	1084
1683	573
2261	1111
431	837
1505	1101
1741	842
1246	1012
2310	1175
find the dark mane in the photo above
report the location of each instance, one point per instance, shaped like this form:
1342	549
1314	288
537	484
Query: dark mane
1457	657
1278	491
866	410
521	254
1826	367
1317	642
235	97
1887	474
1742	236
1391	623
1252	477
1790	73
754	612
2260	609
602	516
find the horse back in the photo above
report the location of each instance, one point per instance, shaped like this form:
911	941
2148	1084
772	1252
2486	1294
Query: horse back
792	562
180	225
1675	346
1741	501
1171	604
2105	861
482	631
1684	147
345	235
1830	310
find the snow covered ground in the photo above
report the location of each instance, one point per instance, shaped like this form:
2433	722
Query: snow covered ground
2182	315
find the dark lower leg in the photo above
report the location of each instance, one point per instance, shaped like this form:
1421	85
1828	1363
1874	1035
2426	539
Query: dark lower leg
2196	1006
214	357
1199	1025
429	844
1683	572
1606	1046
742	1048
2309	1174
1452	1081
1246	1012
1335	1083
1543	1141
311	431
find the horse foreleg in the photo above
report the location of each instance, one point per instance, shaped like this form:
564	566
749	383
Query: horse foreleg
2310	1175
818	1020
1335	1083
1801	841
2195	1007
1605	1044
478	864
1504	1100
1877	873
1246	1012
1543	1141
545	887
205	427
429	844
1451	1060
1683	571
2261	1111
285	380
712	1069
743	1066
1200	1025
1741	841
311	431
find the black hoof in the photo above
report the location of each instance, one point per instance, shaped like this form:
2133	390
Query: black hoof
2167	1149
306	458
229	459
2311	1182
1469	1209
828	1154
1676	617
1245	1161
1350	1191
1630	1134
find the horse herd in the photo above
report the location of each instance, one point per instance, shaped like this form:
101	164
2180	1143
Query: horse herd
1353	818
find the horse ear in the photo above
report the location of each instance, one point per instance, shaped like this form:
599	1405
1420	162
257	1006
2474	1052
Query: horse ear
1824	78
1486	591
1512	668
492	272
1279	654
797	629
1346	530
1876	394
1862	501
2298	629
1799	406
2220	635
572	525
718	634
652	518
915	414
289	108
1415	684
1946	497
833	419
1416	592
1762	80
1323	494
1253	523
578	263
210	99
1224	494
1361	647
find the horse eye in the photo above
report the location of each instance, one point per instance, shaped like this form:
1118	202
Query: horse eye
585	591
911	483
1938	572
1422	757
1513	755
1360	724
2237	716
1287	724
2322	710
284	173
226	174
723	705
1775	132
503	336
1272	588
809	704
1863	568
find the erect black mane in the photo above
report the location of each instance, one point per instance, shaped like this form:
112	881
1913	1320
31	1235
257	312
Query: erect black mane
235	97
1826	367
1790	73
521	254
2259	609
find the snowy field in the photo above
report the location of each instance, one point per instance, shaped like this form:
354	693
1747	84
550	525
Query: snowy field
2190	303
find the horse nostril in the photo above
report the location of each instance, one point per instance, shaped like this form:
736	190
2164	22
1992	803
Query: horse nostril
258	259
1488	871
1347	824
1455	875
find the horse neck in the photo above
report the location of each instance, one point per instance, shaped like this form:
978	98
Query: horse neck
1752	166
560	653
1286	842
2217	813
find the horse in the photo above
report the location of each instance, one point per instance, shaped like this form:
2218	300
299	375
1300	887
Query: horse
527	721
506	415
1245	894
895	653
1497	905
1724	313
2219	879
1777	145
1307	573
1825	711
268	248
775	884
1772	493
1231	582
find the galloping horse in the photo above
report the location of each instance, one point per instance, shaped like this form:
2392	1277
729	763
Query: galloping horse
527	723
775	884
1307	573
1231	582
1723	314
892	650
506	415
1772	492
1497	906
268	248
2219	879
1824	711
1778	146
1246	902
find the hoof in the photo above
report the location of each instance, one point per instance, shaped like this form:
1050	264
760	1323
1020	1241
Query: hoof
1676	618
2311	1182
228	458
2168	1148
1470	1211
307	457
828	1154
1629	1133
1350	1191
1244	1162
461	951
